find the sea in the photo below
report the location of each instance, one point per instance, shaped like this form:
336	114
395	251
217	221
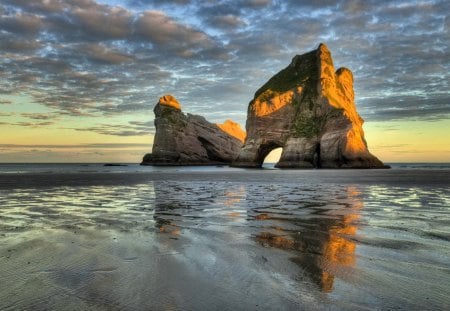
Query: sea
128	237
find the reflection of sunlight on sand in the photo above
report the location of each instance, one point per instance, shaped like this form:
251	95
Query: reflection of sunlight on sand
410	197
166	226
231	199
73	208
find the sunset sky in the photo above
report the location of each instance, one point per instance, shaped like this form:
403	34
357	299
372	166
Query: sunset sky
79	78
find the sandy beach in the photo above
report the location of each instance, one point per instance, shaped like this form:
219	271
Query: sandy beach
225	239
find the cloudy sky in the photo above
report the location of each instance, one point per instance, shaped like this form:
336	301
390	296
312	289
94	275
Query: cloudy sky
79	78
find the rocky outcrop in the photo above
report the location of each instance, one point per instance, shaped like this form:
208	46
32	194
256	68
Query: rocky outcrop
233	128
182	139
307	109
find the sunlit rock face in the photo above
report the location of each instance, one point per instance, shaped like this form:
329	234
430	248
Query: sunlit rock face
233	128
308	109
182	139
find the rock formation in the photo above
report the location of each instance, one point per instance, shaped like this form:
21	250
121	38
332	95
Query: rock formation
307	109
182	139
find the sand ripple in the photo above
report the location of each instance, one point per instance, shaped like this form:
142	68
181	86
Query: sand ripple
218	243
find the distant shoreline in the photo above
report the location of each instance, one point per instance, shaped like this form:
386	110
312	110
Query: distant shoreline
132	175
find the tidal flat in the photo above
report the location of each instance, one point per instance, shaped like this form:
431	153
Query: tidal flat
225	239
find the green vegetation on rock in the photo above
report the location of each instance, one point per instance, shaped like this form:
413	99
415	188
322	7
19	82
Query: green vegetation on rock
302	72
267	95
172	116
308	126
312	124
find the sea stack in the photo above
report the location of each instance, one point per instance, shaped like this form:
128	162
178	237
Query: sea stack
308	109
182	139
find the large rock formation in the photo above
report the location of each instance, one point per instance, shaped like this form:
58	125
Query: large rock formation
308	109
182	139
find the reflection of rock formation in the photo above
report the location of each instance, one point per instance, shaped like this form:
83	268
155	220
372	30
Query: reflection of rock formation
322	246
165	204
180	205
308	109
182	139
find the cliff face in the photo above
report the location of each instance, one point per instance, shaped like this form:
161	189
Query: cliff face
182	139
308	109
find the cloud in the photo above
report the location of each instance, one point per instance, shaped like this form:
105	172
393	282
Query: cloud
33	124
115	152
133	128
103	21
257	3
77	146
226	21
104	55
21	24
11	45
40	6
37	116
145	3
85	58
406	107
166	33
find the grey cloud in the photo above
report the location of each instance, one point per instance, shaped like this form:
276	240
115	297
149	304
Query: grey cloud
163	31
41	6
5	102
38	116
144	124
134	128
66	49
104	22
102	54
256	3
410	107
18	45
34	124
21	23
145	3
226	21
317	4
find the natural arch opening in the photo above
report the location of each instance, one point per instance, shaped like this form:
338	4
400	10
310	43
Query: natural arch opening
316	156
272	158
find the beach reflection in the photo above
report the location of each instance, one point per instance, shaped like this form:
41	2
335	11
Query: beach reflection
207	242
322	244
315	227
189	205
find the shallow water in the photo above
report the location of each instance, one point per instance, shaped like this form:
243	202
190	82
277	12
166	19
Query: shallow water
225	239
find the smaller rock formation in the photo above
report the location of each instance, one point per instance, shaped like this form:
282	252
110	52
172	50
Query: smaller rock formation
182	139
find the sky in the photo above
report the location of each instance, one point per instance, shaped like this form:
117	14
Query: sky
79	78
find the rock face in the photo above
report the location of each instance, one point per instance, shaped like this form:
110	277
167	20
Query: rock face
233	128
182	139
307	109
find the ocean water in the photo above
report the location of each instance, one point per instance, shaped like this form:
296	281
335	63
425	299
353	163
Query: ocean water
20	168
90	237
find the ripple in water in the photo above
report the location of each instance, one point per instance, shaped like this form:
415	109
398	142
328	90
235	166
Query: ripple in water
167	244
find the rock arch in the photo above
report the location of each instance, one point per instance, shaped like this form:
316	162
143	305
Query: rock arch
307	109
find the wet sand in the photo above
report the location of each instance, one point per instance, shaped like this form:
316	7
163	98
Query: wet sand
226	240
